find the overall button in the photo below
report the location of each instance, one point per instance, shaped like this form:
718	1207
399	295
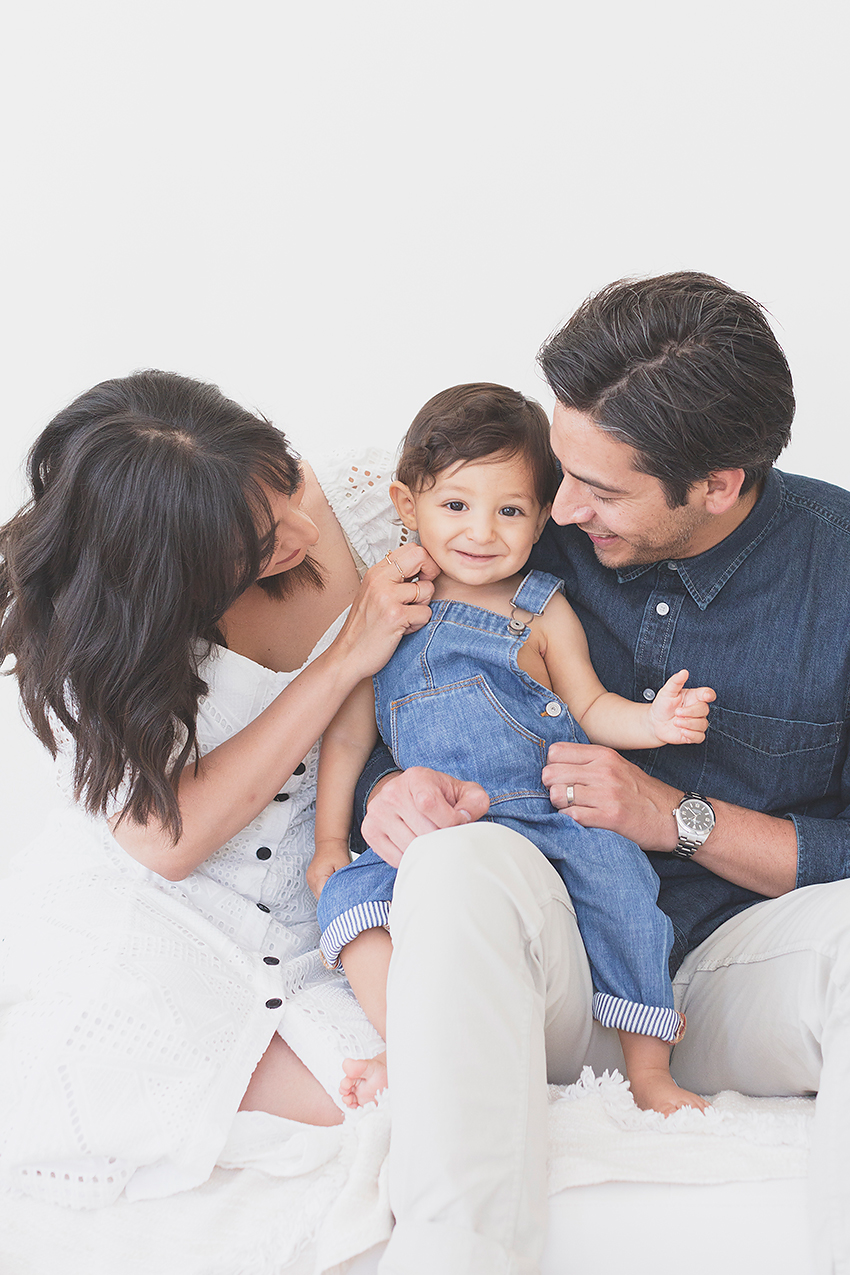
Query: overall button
282	796
299	769
263	907
274	1003
662	609
264	852
271	960
649	693
553	708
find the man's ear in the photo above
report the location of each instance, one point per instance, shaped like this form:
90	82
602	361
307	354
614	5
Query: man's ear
405	505
722	489
542	519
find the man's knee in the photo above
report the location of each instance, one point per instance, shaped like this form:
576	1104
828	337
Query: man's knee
474	860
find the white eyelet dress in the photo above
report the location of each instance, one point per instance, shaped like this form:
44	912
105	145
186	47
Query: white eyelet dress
135	1009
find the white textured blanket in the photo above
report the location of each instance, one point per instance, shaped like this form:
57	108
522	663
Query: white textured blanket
294	1199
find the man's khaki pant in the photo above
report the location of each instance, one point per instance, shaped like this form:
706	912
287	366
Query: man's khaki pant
490	996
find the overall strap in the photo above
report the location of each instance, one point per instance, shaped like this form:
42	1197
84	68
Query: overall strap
535	591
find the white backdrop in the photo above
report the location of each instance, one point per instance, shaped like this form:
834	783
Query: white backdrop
334	210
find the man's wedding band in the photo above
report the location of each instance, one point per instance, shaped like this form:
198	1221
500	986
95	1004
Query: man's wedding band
571	794
389	557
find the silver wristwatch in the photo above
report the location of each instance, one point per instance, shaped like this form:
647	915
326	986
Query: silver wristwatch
695	820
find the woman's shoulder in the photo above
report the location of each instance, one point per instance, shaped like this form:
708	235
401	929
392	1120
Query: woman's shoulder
356	483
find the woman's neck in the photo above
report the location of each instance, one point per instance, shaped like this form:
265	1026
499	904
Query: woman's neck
281	633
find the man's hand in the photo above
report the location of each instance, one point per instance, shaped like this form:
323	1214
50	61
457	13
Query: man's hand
412	802
610	792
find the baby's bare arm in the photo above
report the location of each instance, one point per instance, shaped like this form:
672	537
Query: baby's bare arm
607	718
346	745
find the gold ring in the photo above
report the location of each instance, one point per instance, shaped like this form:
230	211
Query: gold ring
571	794
391	560
416	596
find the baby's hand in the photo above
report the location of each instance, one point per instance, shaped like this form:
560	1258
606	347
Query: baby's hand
680	716
327	860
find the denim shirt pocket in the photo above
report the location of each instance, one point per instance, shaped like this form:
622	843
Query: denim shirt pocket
770	761
464	730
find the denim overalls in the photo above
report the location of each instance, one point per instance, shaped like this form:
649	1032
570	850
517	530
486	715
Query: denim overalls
453	698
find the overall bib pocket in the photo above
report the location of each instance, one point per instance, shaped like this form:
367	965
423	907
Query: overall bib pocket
451	724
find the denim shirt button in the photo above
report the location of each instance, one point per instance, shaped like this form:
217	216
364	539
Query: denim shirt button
553	708
662	609
649	693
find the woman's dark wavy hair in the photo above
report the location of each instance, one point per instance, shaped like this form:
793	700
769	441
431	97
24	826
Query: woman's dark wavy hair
147	520
682	368
478	421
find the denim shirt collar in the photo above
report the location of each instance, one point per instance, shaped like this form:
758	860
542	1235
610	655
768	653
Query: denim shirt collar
705	575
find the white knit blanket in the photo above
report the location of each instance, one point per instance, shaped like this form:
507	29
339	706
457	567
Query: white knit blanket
294	1199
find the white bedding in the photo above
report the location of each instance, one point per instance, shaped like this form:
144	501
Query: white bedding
727	1188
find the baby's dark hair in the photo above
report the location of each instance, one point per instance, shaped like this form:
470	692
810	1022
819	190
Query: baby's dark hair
478	422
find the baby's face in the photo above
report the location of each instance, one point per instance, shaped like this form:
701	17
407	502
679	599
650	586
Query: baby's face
479	520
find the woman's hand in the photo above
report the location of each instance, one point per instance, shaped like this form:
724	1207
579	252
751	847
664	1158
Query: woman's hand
390	604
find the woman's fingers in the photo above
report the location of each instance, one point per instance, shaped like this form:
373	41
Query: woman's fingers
412	560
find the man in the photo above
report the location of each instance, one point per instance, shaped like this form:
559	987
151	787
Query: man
680	547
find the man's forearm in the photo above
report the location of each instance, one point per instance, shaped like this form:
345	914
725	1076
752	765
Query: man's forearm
600	789
750	849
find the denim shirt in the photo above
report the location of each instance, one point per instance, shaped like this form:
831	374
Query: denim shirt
764	619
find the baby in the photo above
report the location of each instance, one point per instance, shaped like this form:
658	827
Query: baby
501	671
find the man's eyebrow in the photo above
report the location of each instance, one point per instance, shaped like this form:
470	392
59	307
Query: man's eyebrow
594	482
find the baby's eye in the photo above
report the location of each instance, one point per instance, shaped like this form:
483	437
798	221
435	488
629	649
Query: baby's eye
456	506
510	511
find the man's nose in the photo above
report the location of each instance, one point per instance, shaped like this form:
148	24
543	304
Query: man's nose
567	507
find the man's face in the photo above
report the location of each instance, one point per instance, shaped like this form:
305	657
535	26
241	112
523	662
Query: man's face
623	511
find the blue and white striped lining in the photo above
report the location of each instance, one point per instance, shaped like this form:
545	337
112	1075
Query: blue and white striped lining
630	1016
346	926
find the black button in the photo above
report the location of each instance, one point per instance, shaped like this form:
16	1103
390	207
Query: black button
264	853
271	960
282	796
274	1003
299	769
263	907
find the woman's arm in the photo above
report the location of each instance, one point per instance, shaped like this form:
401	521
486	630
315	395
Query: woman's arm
346	745
236	780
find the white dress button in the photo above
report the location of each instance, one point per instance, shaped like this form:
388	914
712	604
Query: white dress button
553	708
649	693
662	609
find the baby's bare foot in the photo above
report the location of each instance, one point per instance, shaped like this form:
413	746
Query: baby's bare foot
364	1079
658	1091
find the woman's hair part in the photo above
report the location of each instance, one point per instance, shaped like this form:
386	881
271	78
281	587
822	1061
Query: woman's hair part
148	518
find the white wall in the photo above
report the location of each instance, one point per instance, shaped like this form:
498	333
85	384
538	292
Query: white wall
334	210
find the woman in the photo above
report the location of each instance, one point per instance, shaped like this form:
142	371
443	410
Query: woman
179	650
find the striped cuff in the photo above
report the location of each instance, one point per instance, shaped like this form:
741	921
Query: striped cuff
646	1020
346	926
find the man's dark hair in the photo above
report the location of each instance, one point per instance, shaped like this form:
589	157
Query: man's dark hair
479	421
682	368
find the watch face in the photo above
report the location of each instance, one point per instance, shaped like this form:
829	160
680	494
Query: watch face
696	816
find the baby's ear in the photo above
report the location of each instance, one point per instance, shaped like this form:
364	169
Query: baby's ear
405	505
542	519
